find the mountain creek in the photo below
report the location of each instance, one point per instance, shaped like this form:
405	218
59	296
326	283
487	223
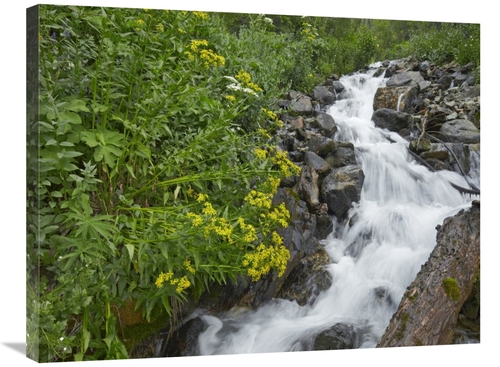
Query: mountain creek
384	233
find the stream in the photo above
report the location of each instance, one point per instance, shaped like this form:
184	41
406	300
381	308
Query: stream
374	255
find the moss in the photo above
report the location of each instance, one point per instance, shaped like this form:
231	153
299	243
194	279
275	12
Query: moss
452	289
404	321
134	334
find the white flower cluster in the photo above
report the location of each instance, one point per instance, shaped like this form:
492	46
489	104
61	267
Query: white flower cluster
236	85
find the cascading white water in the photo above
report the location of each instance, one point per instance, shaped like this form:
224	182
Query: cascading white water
375	255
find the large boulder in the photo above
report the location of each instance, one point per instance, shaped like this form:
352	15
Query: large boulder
430	307
407	79
341	188
461	131
342	155
392	120
323	96
395	98
339	336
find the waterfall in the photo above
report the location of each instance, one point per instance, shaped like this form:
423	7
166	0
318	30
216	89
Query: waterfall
374	256
399	101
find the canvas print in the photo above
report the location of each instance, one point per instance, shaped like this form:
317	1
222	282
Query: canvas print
209	183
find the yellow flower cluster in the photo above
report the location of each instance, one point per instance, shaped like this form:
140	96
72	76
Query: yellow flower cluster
308	31
231	97
259	199
202	197
189	267
244	78
159	27
196	219
195	44
272	185
220	226
286	166
180	283
264	259
279	214
210	58
208	209
250	232
200	14
260	153
264	133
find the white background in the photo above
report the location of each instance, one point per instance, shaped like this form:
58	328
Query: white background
12	178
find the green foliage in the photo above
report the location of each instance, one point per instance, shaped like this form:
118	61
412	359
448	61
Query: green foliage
448	42
149	120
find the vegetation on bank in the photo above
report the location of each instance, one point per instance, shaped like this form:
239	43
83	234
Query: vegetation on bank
151	170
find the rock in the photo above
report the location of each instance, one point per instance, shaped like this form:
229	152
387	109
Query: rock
321	166
321	145
343	155
323	96
391	120
339	336
429	309
308	183
308	278
326	124
460	131
338	87
445	81
341	188
394	97
184	341
420	145
407	79
302	104
296	124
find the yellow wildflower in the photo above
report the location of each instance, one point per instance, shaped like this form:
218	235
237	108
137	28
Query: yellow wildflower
196	219
200	14
208	209
189	267
231	97
163	277
159	27
260	153
202	198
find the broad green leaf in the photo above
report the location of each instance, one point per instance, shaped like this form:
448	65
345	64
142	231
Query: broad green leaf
76	105
71	117
130	249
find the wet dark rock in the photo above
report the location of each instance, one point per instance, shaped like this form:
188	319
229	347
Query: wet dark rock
341	188
391	120
343	155
323	96
307	279
339	336
321	166
184	341
321	145
338	87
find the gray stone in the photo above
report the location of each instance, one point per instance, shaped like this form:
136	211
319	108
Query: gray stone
341	188
391	120
461	131
326	124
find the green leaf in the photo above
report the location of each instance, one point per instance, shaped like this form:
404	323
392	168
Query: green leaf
89	138
176	192
76	105
130	249
71	117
